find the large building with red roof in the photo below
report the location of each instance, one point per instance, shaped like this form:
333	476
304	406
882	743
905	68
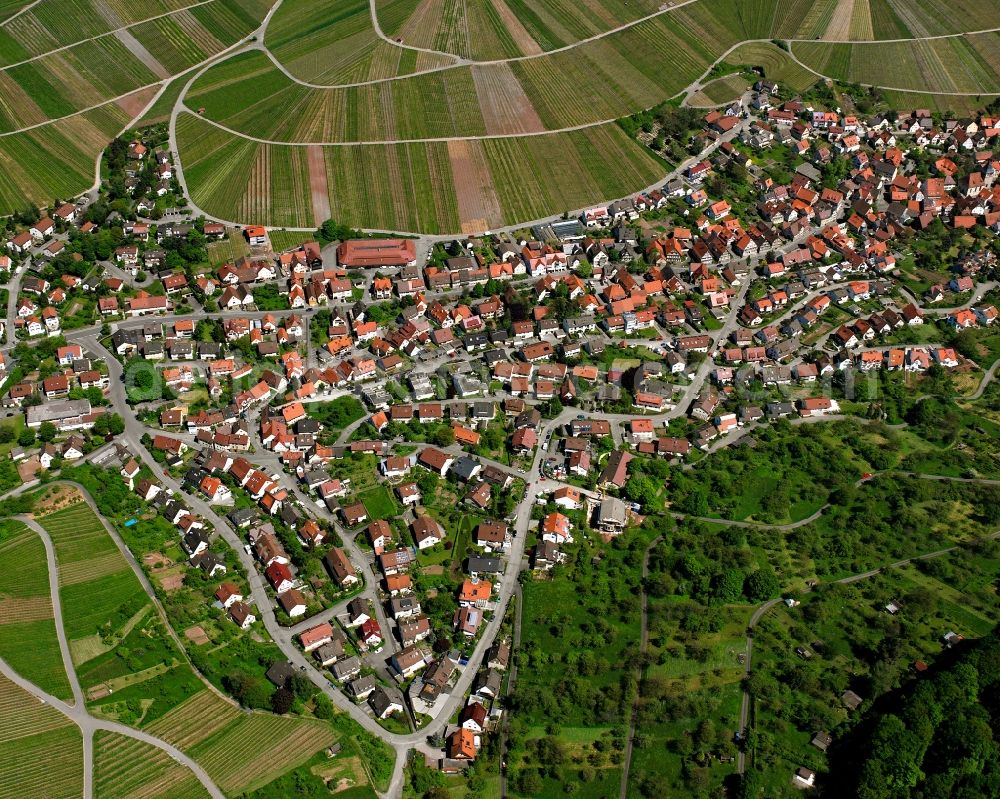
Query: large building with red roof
366	253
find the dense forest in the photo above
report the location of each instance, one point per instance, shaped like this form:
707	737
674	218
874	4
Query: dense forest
933	738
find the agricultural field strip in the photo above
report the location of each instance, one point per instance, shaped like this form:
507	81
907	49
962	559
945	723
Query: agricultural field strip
106	34
428	140
298	81
66	521
163	84
125	767
923	66
20	11
567	129
625	26
211	731
79	715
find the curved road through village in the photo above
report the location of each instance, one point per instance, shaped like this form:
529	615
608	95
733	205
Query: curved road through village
536	485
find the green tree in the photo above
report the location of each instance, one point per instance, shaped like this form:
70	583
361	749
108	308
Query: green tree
27	437
761	585
47	431
282	701
641	489
322	706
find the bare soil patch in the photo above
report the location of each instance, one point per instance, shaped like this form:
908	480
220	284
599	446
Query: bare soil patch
196	635
518	32
16	610
135	103
56	498
478	205
170	581
318	184
156	560
840	23
505	106
98	692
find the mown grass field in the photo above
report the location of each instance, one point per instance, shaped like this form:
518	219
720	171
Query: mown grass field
125	767
98	589
240	752
720	91
41	751
775	63
27	630
229	248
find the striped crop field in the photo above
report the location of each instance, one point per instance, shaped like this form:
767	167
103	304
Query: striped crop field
389	187
10	7
56	159
259	748
242	93
194	720
604	79
493	29
41	750
955	64
810	22
27	630
85	75
404	187
332	43
533	170
74	74
240	752
125	767
412	187
948	105
57	84
886	23
934	18
58	23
